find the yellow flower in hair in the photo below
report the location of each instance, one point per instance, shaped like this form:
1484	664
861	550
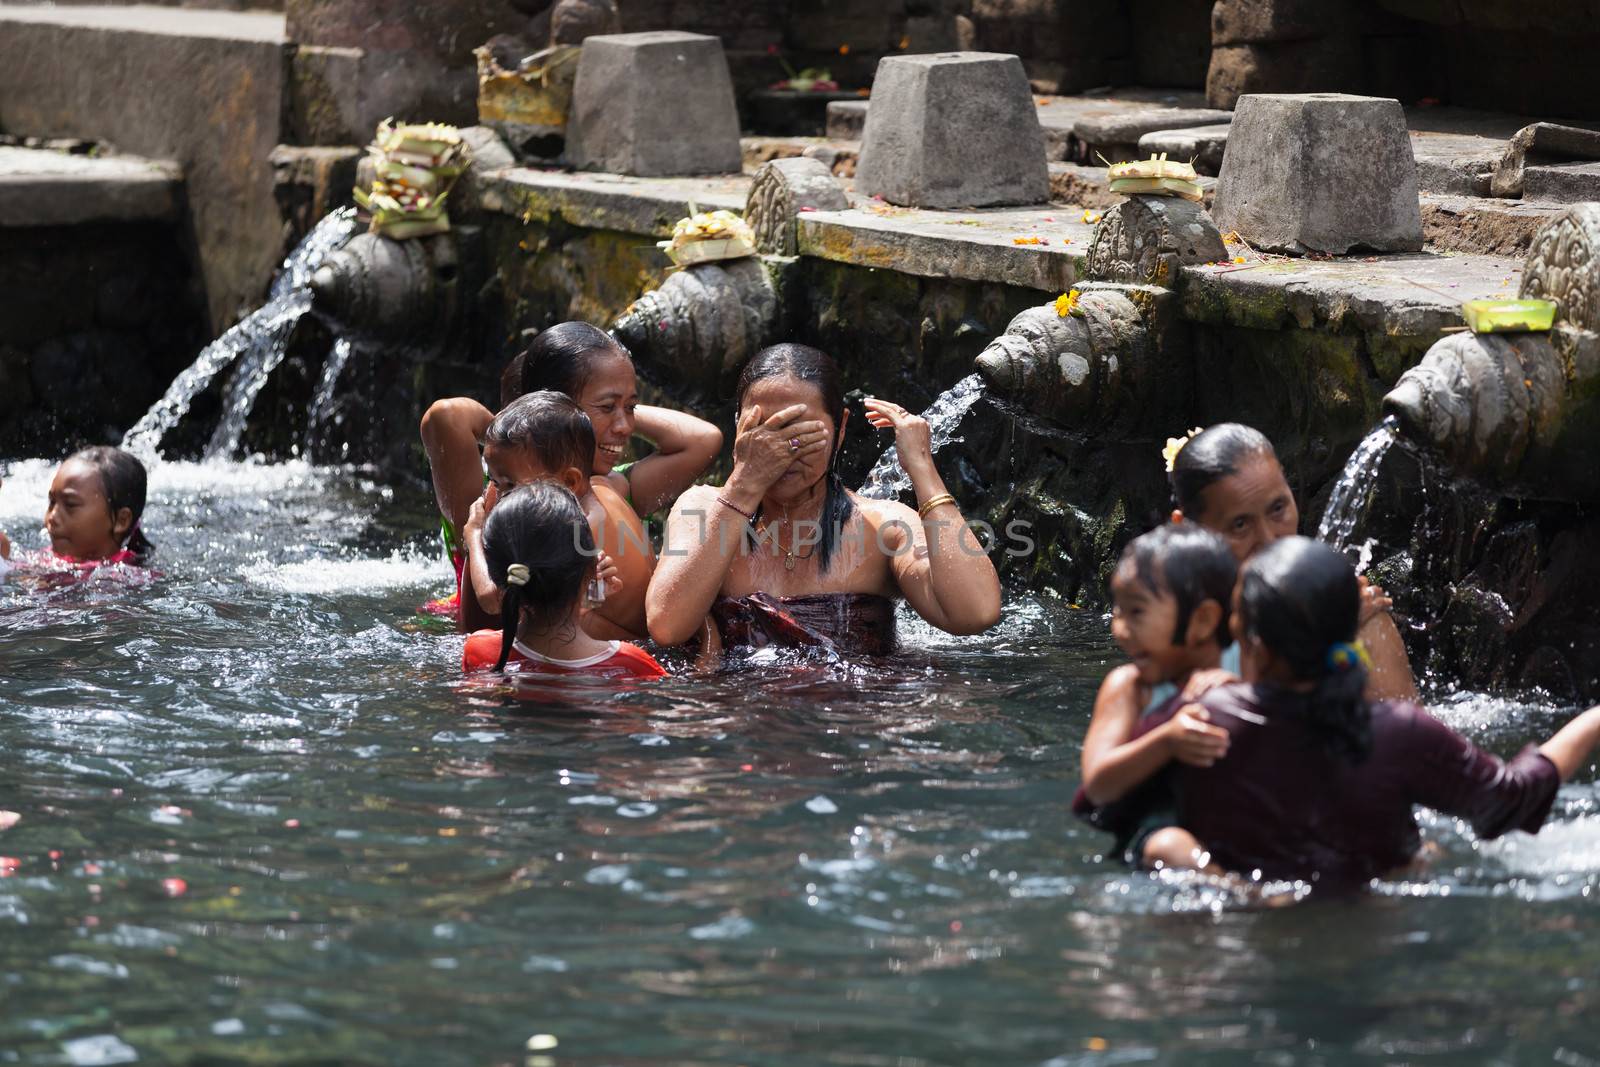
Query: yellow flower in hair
1175	445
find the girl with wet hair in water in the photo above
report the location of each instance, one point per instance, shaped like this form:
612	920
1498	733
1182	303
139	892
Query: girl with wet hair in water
1228	479
96	503
784	554
596	371
541	554
1317	781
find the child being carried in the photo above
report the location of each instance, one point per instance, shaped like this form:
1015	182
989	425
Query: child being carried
1170	596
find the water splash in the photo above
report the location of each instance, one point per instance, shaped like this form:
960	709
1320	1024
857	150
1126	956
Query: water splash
1352	494
267	326
322	399
887	480
257	341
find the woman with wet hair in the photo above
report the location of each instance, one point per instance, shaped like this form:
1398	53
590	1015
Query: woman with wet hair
595	370
1317	781
1228	479
784	554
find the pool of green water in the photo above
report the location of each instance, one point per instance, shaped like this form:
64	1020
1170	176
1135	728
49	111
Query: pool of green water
800	862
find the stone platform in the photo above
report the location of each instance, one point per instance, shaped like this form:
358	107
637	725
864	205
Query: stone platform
1415	296
39	187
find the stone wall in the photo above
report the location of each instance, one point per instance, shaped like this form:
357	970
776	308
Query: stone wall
112	74
1496	55
98	319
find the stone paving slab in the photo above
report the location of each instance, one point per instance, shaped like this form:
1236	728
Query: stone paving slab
645	206
1402	295
977	245
39	187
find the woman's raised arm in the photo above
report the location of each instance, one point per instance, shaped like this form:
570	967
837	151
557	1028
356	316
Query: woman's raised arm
685	447
451	432
941	568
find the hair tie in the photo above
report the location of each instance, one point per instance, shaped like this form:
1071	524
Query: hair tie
517	574
1175	445
1344	656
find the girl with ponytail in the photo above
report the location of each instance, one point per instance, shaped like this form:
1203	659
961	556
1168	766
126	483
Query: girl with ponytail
1318	782
541	554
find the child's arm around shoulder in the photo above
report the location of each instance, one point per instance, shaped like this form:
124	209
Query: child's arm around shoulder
1113	765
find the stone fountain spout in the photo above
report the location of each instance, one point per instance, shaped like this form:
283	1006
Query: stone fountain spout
1520	411
702	325
1093	361
392	290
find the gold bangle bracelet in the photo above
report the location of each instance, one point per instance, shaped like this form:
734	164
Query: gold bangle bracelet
933	502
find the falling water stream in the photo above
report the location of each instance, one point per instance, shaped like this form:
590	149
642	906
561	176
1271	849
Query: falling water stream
257	342
322	397
887	479
1352	494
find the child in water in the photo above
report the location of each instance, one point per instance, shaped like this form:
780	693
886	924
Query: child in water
541	554
96	502
1170	598
5	547
545	435
594	370
1319	781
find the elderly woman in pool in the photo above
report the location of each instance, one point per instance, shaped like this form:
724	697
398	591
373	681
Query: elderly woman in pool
784	554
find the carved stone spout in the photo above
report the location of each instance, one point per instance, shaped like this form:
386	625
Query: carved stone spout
1095	368
1522	411
1486	403
704	322
400	290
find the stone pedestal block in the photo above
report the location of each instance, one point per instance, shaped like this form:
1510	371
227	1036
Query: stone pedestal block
955	129
653	104
1320	172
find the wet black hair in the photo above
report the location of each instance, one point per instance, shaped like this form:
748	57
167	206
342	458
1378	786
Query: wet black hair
542	527
123	479
549	425
1301	599
817	368
1210	456
561	358
1190	563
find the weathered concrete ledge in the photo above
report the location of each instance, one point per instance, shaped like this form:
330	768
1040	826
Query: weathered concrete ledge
1412	296
1400	302
645	206
974	245
39	187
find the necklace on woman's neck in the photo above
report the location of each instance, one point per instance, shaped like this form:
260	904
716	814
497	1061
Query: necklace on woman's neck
790	559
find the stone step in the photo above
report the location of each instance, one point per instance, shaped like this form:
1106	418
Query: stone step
40	187
205	89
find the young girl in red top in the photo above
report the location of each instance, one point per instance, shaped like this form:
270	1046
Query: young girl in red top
541	554
96	502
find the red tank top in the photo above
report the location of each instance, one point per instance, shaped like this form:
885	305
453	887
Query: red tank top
621	660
